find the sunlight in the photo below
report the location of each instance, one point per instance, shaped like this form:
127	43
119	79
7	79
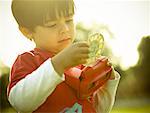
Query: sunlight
128	20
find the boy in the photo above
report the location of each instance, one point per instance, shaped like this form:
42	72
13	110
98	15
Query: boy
37	82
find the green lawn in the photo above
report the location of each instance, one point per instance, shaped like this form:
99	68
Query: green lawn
145	109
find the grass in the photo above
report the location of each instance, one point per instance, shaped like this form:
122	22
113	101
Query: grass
142	109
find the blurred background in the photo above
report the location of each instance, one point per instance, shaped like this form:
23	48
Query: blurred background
125	25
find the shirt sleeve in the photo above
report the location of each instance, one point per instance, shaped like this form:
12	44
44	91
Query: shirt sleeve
35	87
105	96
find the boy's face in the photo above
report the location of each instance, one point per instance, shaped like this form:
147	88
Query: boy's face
55	35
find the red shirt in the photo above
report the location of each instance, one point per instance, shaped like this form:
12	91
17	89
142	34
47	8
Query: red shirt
63	97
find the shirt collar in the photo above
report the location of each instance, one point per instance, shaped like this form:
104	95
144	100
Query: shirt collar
44	52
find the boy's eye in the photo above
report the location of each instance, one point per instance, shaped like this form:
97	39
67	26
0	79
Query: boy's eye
70	20
53	25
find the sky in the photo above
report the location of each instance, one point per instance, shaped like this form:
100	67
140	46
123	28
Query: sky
129	20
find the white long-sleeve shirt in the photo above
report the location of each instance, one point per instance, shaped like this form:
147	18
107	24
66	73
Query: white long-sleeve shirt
33	79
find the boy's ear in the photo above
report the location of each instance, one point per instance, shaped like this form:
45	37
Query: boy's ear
26	32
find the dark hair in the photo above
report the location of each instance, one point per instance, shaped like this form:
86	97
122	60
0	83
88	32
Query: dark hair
30	13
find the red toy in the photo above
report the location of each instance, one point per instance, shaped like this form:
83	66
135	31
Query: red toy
89	79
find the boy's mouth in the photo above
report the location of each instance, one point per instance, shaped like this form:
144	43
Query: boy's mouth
64	40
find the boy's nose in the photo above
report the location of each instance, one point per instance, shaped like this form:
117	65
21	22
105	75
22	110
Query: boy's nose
64	28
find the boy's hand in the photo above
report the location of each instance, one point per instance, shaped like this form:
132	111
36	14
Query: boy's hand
112	76
112	73
71	56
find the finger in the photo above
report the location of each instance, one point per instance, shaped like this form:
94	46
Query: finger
102	57
83	61
84	50
84	56
82	44
109	63
112	73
